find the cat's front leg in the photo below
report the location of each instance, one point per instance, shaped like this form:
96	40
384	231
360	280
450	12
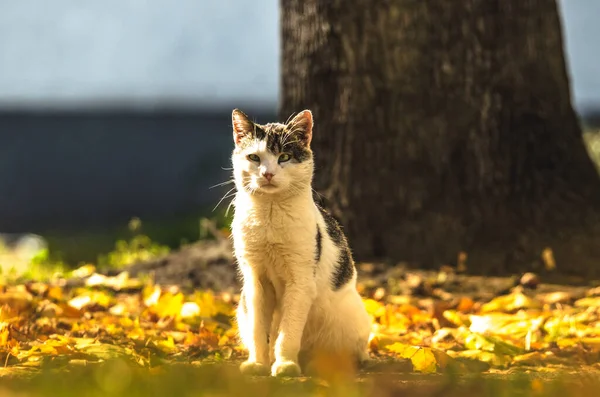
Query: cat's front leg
297	301
273	335
259	301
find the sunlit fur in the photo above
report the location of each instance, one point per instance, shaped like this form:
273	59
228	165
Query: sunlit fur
289	296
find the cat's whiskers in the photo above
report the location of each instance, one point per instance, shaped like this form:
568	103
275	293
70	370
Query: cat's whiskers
289	118
289	143
284	138
229	206
223	183
317	193
225	196
294	129
289	133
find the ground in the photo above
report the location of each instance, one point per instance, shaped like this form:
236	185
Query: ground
165	325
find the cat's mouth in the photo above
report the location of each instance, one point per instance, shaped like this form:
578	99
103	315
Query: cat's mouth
268	187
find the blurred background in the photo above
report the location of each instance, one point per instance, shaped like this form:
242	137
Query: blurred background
121	108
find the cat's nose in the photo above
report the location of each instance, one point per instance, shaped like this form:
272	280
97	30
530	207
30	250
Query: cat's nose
268	175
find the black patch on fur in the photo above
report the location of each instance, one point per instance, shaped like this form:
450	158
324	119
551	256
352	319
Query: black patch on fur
345	269
278	141
333	228
259	133
319	199
345	266
319	245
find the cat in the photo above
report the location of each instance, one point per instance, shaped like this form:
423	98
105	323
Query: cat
299	291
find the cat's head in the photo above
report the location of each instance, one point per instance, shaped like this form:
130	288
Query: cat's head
273	158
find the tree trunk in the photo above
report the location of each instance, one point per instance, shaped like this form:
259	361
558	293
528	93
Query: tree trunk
444	126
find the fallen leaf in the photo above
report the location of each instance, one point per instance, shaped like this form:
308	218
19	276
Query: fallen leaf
424	359
511	302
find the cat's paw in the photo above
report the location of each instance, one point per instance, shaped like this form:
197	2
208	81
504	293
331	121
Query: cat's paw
285	368
254	368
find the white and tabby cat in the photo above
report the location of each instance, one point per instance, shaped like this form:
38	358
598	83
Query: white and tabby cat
299	281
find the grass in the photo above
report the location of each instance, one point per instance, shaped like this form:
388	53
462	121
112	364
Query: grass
116	378
74	247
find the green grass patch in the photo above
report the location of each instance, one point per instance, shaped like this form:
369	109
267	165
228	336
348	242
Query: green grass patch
116	378
74	247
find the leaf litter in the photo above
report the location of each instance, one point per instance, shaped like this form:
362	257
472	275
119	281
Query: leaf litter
64	324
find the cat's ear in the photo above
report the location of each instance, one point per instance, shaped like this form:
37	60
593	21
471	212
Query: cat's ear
302	125
242	126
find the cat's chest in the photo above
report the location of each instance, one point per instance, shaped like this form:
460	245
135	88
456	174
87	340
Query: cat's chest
275	232
275	237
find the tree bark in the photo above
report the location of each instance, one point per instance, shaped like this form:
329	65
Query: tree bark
444	127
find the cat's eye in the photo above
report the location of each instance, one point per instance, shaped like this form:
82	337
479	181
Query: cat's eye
254	157
284	157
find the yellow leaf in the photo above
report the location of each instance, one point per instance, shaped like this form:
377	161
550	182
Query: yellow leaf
588	302
475	341
118	310
422	358
494	359
87	298
69	311
84	271
589	343
506	324
224	340
96	280
210	306
167	345
169	305
55	293
118	282
374	308
567	342
80	301
4	334
515	301
82	343
456	318
136	334
556	297
380	341
151	295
